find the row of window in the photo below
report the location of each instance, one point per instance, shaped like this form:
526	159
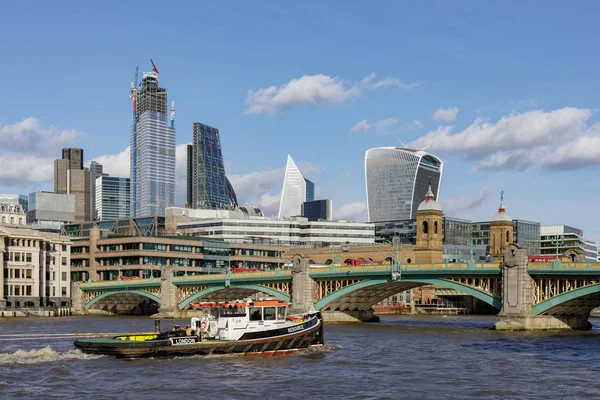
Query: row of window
18	273
19	290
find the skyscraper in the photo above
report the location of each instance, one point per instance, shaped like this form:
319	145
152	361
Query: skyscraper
296	190
112	197
96	171
208	187
71	178
152	141
397	180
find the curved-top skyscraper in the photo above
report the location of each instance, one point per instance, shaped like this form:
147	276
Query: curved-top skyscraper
397	179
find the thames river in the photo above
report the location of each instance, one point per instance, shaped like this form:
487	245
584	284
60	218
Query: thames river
421	357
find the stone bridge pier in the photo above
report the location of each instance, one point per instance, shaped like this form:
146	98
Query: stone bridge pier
517	299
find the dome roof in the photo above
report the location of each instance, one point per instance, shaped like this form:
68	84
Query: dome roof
429	203
501	215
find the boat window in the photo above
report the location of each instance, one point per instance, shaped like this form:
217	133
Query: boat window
255	314
281	312
270	313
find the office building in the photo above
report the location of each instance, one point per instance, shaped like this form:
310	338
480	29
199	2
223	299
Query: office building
48	211
317	210
239	227
112	197
152	142
296	190
207	185
525	233
560	238
455	231
105	258
96	171
397	180
70	177
35	269
21	199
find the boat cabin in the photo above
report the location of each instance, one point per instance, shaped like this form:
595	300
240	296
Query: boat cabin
230	320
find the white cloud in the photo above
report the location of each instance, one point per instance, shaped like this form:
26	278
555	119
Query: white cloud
455	206
115	164
445	114
312	90
558	139
356	211
28	151
360	127
384	126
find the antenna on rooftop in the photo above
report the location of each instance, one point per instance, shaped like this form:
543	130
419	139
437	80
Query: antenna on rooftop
403	145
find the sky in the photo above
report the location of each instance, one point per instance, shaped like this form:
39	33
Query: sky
504	92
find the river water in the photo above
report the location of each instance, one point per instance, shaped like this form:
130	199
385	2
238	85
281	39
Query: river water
407	357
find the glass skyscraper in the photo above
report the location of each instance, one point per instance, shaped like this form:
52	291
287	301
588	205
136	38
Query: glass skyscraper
112	197
296	190
397	181
152	142
207	185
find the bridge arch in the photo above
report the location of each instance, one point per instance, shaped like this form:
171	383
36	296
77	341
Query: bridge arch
112	292
577	301
255	288
390	287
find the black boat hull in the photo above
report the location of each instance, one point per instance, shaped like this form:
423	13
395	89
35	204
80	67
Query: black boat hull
283	343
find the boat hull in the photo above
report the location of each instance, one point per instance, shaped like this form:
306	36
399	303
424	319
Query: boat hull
273	344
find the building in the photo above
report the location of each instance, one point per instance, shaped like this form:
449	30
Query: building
152	142
112	197
12	214
102	257
317	209
455	231
21	199
70	177
35	268
208	187
141	226
556	239
397	180
96	171
296	190
49	211
237	226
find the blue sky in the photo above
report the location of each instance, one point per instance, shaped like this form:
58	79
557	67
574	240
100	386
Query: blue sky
505	93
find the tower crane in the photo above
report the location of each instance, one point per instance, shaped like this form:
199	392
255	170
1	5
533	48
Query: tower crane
154	68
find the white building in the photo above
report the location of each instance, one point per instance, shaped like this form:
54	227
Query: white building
236	226
49	211
296	190
112	197
563	237
12	214
35	268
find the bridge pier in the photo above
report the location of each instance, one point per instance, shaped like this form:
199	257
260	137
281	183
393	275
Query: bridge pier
350	316
303	286
516	313
77	299
168	297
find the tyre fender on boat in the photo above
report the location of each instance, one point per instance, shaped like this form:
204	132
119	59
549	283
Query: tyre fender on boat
204	326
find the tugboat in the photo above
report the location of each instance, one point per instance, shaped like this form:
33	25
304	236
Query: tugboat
251	328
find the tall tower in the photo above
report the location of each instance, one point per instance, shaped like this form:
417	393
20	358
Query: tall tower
501	230
71	178
208	187
152	157
396	181
296	190
429	230
96	171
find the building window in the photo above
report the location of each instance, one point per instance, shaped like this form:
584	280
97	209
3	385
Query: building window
64	276
28	273
425	227
177	247
155	246
28	290
17	273
64	261
17	256
28	257
64	291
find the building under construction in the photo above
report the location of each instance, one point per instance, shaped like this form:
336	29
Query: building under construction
152	141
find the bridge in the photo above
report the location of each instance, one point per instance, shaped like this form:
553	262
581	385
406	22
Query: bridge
528	295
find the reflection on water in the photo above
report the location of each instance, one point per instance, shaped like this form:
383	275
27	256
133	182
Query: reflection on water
403	356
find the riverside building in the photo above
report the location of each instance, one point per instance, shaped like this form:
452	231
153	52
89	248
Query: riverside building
396	181
48	211
112	197
563	237
70	177
101	256
35	268
21	199
12	214
152	142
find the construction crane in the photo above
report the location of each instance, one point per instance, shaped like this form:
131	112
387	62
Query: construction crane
154	68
